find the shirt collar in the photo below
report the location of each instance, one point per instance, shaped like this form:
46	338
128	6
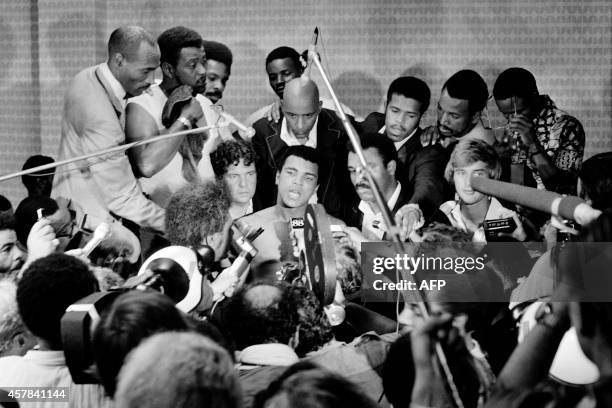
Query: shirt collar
47	357
398	145
287	136
452	209
365	208
272	354
116	87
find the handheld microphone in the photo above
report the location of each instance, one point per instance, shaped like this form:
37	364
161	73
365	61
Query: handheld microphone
100	234
245	131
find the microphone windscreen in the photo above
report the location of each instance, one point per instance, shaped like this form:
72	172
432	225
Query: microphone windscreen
175	281
540	200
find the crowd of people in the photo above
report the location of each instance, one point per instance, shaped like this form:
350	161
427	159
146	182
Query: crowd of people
260	336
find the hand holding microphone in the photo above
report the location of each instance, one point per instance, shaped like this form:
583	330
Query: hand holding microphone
41	240
100	234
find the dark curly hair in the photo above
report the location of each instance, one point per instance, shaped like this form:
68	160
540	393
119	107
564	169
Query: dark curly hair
174	39
314	328
48	286
231	152
133	316
7	221
272	315
26	214
195	212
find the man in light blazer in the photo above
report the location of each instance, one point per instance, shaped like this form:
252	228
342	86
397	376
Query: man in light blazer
94	119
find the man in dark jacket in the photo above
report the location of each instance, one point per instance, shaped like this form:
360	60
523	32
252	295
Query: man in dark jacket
304	123
419	169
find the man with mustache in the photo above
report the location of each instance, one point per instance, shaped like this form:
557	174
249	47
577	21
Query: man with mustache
420	169
218	68
382	160
161	165
462	100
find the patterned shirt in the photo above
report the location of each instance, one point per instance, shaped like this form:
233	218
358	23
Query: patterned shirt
561	138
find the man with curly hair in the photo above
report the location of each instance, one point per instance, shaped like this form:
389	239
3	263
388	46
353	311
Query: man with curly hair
234	164
198	217
166	166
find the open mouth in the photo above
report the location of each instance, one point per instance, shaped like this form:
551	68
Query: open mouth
294	195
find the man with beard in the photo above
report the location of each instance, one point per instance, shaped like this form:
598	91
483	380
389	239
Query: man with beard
463	98
162	165
219	60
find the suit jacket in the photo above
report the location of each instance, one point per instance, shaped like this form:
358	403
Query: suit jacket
334	182
93	119
420	168
354	216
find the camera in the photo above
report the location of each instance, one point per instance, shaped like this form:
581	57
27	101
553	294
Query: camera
176	271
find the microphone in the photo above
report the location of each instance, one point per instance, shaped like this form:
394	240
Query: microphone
100	234
307	55
165	275
568	207
245	131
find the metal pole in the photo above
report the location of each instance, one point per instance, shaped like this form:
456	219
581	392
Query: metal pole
115	149
388	219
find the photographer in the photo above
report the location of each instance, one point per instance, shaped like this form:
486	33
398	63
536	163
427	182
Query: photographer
198	217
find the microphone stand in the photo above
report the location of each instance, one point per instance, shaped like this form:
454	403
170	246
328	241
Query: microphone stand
392	229
110	150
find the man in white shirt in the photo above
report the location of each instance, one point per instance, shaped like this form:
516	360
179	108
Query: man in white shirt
305	123
93	120
47	288
164	167
219	60
470	209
